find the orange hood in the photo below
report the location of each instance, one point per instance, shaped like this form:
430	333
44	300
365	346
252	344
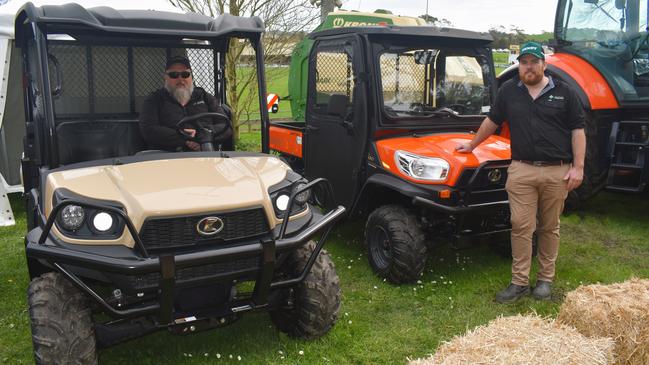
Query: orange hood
443	146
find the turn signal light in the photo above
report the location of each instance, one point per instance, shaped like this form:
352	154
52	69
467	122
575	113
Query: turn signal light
445	194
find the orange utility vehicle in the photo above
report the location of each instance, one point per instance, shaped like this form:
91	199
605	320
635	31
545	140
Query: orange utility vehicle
601	50
386	106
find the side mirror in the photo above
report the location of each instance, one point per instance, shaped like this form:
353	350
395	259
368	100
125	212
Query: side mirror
620	4
338	105
594	2
425	57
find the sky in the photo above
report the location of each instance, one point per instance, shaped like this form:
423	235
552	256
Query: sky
533	16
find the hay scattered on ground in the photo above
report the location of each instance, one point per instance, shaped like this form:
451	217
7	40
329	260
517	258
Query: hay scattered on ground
521	339
619	311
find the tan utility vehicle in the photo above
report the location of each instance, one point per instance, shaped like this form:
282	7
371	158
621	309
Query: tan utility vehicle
123	241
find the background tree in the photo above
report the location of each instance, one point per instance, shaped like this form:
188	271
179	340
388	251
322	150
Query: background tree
286	23
439	22
504	38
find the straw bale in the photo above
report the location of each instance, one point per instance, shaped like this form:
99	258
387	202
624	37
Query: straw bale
619	311
520	339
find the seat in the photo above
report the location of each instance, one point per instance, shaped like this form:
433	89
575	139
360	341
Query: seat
83	140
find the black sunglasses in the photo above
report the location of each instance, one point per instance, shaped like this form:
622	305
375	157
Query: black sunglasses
175	74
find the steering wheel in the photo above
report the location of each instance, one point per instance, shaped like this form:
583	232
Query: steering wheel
206	130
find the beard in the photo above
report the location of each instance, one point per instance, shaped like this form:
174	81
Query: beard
531	78
180	93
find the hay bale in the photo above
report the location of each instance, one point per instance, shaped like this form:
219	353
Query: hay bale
619	311
521	339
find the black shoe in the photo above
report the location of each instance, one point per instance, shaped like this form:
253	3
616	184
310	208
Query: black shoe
543	290
512	293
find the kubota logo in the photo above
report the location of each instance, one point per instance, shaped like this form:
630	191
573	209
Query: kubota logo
494	175
209	226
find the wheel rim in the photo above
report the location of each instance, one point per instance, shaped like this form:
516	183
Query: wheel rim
380	247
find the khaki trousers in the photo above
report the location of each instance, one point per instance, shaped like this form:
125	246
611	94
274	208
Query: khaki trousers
535	192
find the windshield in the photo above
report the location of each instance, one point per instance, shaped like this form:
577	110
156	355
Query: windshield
432	82
603	22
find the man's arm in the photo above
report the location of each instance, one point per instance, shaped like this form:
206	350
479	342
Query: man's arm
156	135
487	128
575	175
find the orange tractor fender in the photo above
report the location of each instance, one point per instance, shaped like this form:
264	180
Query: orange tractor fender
595	93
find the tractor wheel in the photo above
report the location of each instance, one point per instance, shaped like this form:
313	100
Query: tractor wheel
62	328
310	308
594	175
395	244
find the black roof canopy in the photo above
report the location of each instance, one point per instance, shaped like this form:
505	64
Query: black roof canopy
430	32
74	19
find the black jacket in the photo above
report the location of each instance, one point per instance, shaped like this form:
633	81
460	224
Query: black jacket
160	113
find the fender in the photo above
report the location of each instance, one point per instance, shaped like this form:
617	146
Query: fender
395	184
588	79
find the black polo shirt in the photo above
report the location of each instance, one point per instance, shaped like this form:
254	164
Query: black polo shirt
541	129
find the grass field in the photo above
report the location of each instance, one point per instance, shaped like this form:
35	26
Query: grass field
379	323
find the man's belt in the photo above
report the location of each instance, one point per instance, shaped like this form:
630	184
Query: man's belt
545	163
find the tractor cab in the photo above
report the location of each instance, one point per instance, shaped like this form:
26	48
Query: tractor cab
612	36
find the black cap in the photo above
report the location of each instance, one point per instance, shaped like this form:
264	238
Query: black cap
178	59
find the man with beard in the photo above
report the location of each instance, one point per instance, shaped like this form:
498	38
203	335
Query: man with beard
548	143
165	107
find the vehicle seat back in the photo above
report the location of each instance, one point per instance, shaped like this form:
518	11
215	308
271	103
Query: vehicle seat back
80	141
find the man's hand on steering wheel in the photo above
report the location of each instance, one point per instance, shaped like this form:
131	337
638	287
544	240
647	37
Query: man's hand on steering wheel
191	133
204	131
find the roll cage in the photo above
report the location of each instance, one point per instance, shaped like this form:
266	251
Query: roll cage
87	72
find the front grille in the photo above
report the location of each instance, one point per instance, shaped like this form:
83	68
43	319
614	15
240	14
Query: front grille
482	180
180	232
184	275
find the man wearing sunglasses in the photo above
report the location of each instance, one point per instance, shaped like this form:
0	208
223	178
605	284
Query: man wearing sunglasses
179	98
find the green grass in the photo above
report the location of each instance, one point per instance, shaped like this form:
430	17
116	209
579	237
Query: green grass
379	323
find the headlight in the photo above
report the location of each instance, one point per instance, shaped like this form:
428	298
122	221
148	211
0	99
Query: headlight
281	202
102	221
72	217
422	168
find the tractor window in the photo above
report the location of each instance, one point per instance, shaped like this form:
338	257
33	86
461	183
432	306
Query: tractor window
403	80
334	76
603	23
421	82
462	88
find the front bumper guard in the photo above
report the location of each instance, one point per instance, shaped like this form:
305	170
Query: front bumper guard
461	209
39	246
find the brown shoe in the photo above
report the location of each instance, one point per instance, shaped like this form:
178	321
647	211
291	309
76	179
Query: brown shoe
512	293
